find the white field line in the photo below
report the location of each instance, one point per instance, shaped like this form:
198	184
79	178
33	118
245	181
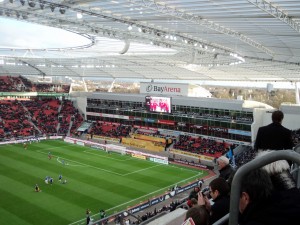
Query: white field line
125	203
89	152
67	164
97	168
137	171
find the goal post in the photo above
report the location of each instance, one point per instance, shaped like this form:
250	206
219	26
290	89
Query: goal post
116	148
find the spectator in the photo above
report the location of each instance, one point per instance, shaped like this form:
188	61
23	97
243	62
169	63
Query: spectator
224	167
194	193
274	136
256	190
261	204
219	192
279	171
102	214
198	214
192	202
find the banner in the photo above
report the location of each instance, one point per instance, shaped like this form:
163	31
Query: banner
106	138
170	89
149	138
190	163
167	122
138	156
107	115
143	144
162	198
166	162
202	157
145	128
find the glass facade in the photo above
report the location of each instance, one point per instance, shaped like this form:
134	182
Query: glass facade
223	123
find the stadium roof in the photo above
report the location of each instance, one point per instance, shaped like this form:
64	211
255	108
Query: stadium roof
249	40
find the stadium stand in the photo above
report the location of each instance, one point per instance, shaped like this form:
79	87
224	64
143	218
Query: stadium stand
186	143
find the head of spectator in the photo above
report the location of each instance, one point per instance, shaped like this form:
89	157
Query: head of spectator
279	171
277	116
218	188
256	188
194	193
222	162
198	214
224	167
192	202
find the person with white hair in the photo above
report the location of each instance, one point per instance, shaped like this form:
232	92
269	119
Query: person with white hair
224	167
279	172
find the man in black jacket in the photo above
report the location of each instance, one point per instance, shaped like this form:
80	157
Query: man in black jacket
260	204
224	167
219	192
274	136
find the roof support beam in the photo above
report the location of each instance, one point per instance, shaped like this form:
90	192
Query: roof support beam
163	8
276	12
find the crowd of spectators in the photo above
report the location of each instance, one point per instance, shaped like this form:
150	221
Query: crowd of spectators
22	84
200	145
44	113
21	118
11	84
111	130
14	120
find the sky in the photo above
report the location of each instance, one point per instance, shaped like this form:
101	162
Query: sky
20	34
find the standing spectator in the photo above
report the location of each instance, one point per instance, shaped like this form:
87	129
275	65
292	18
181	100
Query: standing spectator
274	136
224	167
88	219
219	192
102	214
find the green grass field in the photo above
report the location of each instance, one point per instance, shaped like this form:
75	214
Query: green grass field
95	180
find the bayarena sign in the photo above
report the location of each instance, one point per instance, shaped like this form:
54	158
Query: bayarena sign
163	88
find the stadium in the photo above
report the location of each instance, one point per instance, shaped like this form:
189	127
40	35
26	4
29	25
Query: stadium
103	117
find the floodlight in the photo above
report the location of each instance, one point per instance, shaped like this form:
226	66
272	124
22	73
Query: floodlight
52	7
62	10
31	3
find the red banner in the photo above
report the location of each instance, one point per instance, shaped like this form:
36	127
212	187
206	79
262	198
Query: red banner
167	122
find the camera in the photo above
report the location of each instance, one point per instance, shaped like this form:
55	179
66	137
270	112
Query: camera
205	191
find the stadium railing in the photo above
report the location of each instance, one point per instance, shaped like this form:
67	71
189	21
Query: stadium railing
296	167
154	218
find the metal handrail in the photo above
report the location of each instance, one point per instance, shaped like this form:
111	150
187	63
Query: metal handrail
154	217
252	165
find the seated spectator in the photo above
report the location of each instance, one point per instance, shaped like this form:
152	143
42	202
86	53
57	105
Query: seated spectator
192	202
198	214
224	167
194	193
219	192
260	204
279	171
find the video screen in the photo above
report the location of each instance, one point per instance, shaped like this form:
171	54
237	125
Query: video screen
158	104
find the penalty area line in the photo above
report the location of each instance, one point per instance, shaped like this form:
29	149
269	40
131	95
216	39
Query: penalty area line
94	167
67	164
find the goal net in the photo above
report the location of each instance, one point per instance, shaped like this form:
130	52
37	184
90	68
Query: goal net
116	148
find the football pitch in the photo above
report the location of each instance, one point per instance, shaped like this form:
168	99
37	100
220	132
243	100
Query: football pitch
95	180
